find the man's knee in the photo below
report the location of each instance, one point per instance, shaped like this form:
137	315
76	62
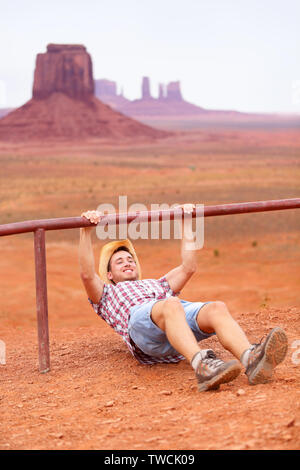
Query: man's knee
166	309
210	315
213	311
218	305
171	306
217	309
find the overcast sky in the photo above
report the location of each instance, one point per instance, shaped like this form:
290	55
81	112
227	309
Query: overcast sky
227	54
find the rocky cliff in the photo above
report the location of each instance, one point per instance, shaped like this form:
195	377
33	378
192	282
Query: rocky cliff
106	91
64	69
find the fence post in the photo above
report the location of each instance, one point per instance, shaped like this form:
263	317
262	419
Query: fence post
41	299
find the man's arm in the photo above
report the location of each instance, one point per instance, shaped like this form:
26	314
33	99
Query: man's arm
91	281
178	277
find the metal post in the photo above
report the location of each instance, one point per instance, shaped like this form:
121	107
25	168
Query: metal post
41	299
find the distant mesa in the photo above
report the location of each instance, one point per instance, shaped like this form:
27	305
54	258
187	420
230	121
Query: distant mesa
169	102
108	90
168	105
64	105
173	92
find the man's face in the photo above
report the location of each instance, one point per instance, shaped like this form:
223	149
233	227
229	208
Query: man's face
122	267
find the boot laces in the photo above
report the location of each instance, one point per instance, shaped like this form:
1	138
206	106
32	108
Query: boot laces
256	345
211	360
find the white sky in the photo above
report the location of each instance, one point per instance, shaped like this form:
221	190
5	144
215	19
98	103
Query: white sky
228	54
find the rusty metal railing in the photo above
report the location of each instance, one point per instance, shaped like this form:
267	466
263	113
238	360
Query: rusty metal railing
39	227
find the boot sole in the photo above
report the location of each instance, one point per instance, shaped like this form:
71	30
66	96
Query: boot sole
275	351
227	375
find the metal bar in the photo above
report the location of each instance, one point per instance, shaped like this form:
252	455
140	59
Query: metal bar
248	207
41	299
144	216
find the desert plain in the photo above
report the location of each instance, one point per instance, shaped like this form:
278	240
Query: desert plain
96	395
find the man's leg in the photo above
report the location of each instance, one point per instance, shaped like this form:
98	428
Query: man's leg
260	359
215	317
169	316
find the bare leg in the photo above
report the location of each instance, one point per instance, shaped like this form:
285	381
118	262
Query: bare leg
169	316
210	371
215	317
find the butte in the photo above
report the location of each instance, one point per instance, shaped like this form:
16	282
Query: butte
63	104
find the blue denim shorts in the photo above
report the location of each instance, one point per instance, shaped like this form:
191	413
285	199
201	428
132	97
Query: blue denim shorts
150	338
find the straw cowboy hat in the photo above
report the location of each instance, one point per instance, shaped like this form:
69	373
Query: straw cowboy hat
107	252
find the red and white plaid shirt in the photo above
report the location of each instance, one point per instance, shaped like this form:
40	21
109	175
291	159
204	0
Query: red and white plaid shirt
116	302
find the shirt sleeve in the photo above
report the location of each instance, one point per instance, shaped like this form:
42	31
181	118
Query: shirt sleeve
96	306
166	286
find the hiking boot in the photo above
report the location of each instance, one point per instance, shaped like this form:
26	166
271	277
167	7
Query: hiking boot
211	372
264	357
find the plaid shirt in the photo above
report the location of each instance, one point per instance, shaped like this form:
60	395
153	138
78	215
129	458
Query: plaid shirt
116	302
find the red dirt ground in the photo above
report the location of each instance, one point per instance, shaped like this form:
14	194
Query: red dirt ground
97	396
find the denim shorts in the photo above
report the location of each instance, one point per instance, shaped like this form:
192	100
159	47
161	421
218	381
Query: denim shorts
150	338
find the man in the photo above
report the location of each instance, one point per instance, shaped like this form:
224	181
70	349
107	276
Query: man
159	327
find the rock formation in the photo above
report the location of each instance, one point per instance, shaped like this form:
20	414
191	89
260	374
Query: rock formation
64	106
105	88
66	69
168	103
173	92
161	91
146	95
171	105
106	91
